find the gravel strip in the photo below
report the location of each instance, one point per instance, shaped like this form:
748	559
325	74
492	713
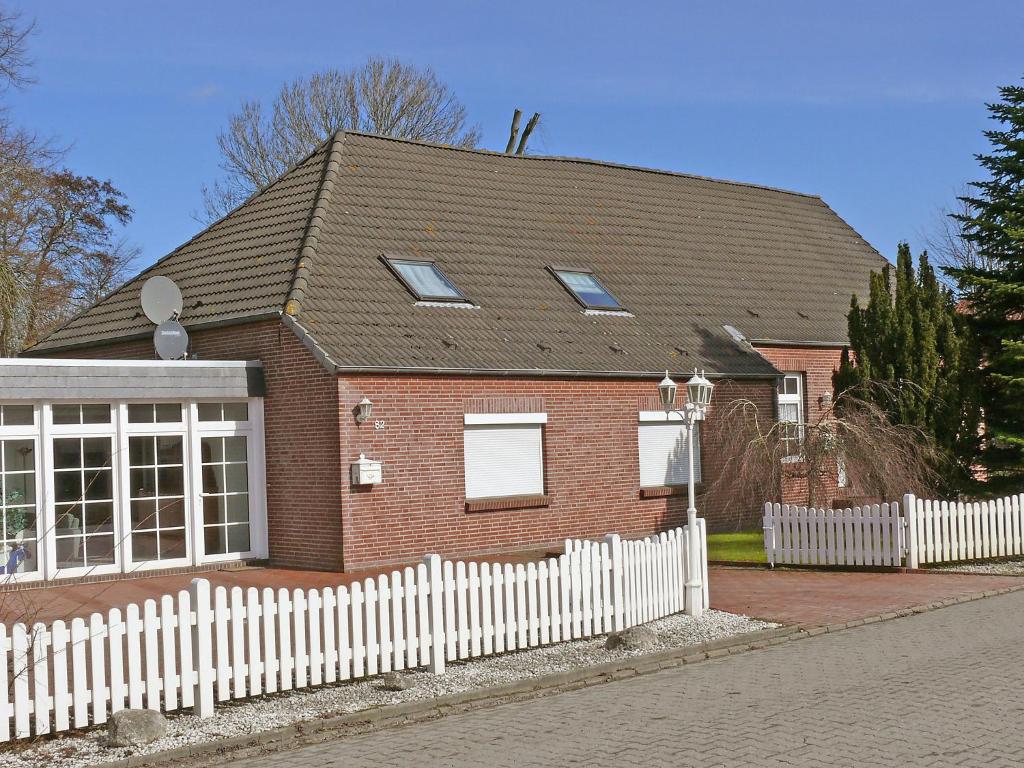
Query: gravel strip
254	715
1001	568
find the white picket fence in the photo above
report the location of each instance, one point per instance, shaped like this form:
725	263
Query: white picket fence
944	531
870	535
654	572
927	531
206	645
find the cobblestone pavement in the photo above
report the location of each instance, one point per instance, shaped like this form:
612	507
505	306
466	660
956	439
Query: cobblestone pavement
937	689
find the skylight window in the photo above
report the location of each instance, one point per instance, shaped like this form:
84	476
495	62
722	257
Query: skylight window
586	289
424	280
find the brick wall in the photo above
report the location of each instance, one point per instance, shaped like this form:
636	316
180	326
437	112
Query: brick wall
817	364
591	465
301	425
316	519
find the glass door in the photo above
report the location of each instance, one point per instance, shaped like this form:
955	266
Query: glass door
156	471
84	501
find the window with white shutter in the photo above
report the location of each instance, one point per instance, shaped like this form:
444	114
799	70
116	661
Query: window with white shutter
664	458
504	454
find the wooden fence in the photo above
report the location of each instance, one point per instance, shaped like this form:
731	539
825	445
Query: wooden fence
654	572
870	535
927	531
945	531
206	645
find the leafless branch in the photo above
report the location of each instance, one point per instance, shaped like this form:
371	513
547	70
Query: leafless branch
881	459
526	133
513	131
945	239
14	60
383	96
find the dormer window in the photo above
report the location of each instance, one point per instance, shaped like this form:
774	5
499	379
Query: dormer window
586	289
424	280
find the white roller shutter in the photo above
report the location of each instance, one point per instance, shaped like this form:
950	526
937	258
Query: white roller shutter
503	460
663	454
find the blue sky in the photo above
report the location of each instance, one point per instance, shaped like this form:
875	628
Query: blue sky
876	106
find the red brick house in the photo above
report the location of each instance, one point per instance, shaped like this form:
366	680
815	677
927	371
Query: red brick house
508	319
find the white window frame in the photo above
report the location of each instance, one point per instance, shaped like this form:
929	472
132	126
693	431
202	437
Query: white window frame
798	401
44	431
179	429
50	432
252	430
664	417
31	432
504	419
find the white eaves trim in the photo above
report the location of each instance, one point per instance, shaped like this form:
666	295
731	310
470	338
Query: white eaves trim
663	416
476	419
30	362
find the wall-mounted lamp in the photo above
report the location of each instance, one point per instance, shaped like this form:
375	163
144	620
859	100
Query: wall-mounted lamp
825	400
364	409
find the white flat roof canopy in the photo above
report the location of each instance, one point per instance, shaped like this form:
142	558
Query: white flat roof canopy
91	379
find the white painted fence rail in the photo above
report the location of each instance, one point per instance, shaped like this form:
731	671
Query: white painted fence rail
945	531
869	535
206	645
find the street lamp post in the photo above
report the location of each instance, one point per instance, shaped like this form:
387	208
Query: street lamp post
698	397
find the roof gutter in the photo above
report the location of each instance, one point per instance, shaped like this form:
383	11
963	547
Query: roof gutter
544	372
791	343
254	318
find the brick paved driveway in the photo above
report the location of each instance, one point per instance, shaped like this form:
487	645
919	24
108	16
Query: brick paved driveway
808	597
937	689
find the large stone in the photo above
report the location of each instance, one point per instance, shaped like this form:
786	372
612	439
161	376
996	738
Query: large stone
392	681
633	639
135	727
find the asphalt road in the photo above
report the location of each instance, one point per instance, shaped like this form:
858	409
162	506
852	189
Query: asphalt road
944	688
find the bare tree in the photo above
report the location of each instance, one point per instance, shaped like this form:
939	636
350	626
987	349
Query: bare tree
945	239
98	273
14	60
56	236
880	459
15	146
383	96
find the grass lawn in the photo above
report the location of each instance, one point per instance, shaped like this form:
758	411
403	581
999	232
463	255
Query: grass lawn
747	546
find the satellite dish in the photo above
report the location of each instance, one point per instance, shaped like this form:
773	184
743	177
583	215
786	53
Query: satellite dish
161	299
170	340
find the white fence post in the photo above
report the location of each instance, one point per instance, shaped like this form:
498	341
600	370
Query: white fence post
615	568
910	521
768	526
202	642
434	578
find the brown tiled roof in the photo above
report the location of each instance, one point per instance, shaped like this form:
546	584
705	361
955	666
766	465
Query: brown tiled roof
239	267
685	255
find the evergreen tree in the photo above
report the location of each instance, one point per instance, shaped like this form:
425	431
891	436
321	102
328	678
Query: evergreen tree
912	354
993	290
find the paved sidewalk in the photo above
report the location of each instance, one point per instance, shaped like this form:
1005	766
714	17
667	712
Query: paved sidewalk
817	598
937	689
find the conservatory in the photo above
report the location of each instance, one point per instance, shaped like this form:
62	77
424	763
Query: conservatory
124	466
